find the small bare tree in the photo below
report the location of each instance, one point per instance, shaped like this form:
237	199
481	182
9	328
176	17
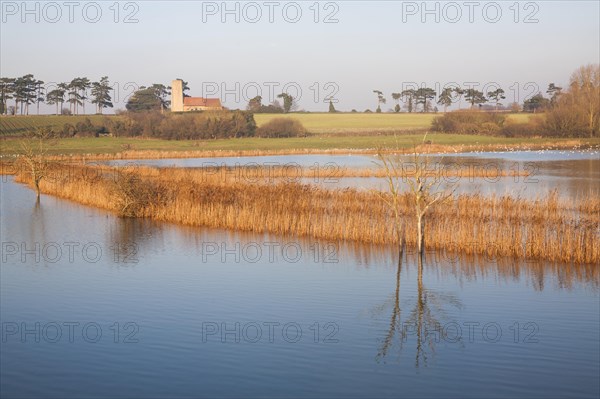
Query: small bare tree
424	192
34	156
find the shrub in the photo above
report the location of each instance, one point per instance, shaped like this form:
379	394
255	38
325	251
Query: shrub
186	126
469	122
145	123
566	120
228	124
489	128
86	128
68	130
282	127
521	130
134	197
269	109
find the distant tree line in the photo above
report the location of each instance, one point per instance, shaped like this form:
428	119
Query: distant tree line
256	106
420	100
574	112
577	111
27	90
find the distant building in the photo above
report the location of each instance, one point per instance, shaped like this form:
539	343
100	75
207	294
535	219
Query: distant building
179	103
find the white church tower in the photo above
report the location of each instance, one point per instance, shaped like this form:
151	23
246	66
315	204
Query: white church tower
177	95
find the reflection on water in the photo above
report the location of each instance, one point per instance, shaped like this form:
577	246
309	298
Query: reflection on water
573	173
392	319
511	158
424	323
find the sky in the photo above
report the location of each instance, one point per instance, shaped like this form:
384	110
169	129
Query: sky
313	50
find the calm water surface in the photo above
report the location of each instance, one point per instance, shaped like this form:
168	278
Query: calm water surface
145	309
573	174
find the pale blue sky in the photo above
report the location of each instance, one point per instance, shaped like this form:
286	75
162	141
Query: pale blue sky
370	47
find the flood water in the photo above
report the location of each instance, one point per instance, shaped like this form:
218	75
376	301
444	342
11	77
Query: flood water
92	305
573	174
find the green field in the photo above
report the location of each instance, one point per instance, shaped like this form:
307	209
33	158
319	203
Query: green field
326	123
354	122
364	129
111	145
316	123
16	125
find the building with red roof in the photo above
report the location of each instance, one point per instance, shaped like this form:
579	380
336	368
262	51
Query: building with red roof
179	103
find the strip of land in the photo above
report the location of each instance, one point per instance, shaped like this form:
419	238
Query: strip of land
328	134
546	228
136	148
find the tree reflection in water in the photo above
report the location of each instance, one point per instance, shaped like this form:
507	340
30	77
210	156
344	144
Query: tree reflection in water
423	323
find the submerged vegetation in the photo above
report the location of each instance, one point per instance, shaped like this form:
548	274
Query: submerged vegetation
546	228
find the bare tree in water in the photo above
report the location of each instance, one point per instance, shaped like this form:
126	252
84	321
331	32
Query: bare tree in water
424	193
34	156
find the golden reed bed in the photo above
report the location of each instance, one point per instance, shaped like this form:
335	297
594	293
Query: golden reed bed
329	172
545	229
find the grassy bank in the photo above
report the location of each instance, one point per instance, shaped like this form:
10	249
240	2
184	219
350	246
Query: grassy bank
130	148
545	228
330	133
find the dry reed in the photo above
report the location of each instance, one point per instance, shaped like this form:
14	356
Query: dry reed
329	172
546	228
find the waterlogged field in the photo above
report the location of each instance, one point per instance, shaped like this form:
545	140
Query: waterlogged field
522	174
98	304
181	246
532	222
283	271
